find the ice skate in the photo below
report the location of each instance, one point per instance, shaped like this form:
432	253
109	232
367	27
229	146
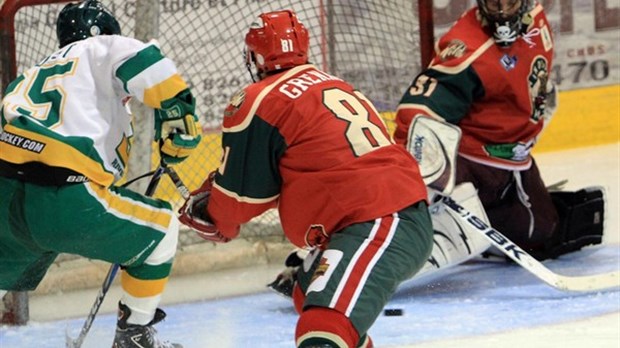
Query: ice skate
139	336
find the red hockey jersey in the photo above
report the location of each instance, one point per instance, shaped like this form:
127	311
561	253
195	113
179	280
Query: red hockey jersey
309	144
495	95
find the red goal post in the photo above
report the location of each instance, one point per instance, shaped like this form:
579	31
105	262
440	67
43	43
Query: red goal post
377	45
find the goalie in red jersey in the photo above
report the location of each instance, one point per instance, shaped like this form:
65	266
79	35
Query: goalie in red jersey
311	145
488	86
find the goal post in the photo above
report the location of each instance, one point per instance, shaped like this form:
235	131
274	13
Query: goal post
427	33
377	45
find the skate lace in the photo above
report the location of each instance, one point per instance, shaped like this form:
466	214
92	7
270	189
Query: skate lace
149	334
151	337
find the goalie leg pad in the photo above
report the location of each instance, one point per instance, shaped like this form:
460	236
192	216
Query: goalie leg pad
455	242
582	215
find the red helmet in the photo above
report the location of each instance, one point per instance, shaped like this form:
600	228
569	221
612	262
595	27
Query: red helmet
276	40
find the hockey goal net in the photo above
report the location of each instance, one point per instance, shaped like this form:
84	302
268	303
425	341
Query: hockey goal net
373	44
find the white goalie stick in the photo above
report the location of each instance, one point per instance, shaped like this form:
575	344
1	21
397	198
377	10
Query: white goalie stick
109	278
561	282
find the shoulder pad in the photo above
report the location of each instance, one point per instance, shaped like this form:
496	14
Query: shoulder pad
463	40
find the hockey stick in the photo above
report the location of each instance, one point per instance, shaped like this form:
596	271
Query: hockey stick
176	180
561	282
109	278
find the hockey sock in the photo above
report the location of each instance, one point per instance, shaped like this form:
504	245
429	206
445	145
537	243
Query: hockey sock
318	327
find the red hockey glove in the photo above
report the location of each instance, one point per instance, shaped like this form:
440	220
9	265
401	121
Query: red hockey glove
194	214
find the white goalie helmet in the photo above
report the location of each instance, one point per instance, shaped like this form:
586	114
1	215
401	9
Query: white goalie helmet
505	18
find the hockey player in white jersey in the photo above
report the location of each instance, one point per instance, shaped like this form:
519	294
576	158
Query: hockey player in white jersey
64	142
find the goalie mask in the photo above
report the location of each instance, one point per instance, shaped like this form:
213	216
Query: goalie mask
276	41
78	21
505	18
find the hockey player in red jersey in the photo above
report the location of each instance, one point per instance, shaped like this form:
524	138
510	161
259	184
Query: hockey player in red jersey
490	77
311	145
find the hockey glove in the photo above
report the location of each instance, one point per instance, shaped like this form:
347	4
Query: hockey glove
285	281
177	128
194	214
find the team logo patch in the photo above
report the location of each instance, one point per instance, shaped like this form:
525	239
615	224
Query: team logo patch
455	49
235	103
316	236
508	62
517	152
321	269
325	269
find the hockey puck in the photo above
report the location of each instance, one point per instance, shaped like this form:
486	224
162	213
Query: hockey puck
393	312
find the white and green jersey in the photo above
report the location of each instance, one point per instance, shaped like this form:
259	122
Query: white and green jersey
68	111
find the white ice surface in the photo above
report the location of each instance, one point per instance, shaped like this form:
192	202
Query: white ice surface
476	305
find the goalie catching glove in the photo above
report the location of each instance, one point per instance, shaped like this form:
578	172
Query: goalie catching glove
194	214
177	128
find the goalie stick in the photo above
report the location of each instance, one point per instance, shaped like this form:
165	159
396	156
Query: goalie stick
109	278
566	283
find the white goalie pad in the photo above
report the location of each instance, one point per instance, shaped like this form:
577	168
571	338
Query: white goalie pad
434	145
455	242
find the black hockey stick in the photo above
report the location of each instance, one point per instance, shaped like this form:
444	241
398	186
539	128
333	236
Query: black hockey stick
176	180
109	278
561	282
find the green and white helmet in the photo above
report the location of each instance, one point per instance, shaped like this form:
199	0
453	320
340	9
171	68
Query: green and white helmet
78	21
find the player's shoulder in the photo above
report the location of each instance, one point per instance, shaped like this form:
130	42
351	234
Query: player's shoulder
274	95
538	17
242	106
110	40
538	12
116	45
463	42
238	102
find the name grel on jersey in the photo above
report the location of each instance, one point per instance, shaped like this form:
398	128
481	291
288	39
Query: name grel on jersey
295	87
